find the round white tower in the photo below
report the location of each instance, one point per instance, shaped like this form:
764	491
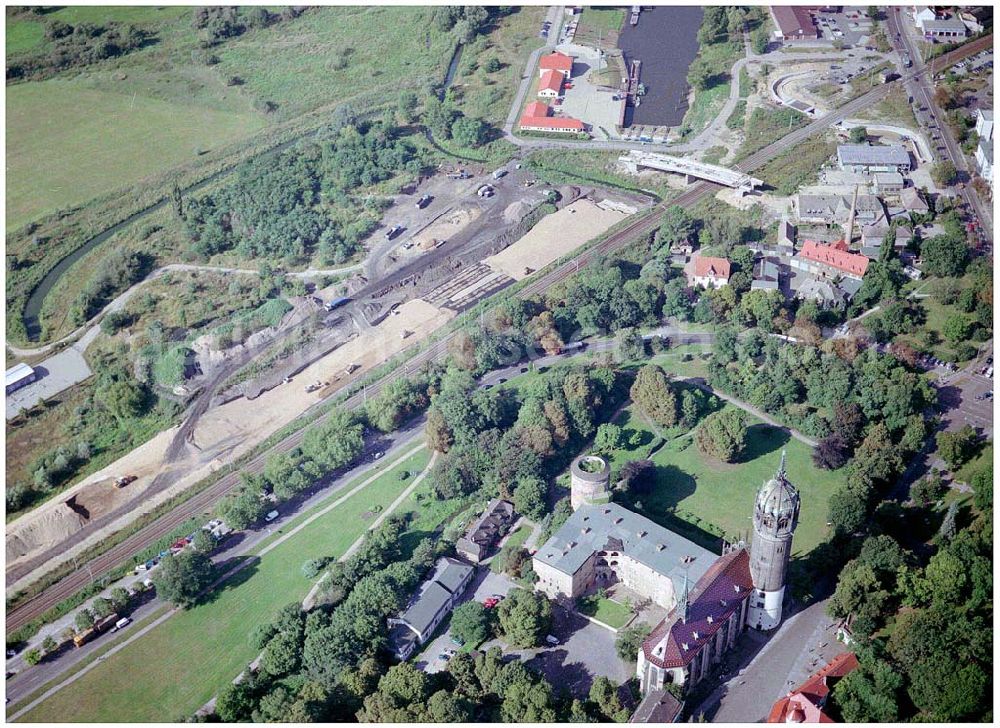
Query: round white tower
589	481
775	516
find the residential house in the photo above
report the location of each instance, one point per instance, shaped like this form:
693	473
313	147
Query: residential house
870	158
806	703
913	202
558	62
825	293
658	706
873	236
434	601
550	84
708	272
488	529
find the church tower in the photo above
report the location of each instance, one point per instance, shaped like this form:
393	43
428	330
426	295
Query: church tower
775	516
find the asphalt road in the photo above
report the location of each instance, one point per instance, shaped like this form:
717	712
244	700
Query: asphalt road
238	545
922	89
207	498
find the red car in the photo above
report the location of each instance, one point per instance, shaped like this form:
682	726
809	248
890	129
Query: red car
491	602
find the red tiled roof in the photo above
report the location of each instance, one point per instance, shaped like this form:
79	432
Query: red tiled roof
551	81
706	265
535	108
551	122
805	703
852	263
556	62
714	599
794	21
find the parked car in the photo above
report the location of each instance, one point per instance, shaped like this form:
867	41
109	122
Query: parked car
271	516
393	232
551	639
424	201
124	621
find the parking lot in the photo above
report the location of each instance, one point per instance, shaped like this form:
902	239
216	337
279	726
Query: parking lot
850	25
55	374
585	651
485	584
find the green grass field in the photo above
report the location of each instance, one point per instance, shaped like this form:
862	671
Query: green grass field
612	613
337	53
177	667
704	497
67	144
23	34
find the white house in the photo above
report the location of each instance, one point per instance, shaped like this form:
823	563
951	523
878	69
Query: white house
921	14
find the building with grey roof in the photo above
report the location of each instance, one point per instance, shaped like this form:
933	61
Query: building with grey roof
603	544
836	209
432	603
488	529
765	276
658	706
947	28
869	158
887	182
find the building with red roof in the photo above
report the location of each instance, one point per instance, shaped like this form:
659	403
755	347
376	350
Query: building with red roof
830	261
702	626
707	271
550	84
536	118
558	62
795	22
805	703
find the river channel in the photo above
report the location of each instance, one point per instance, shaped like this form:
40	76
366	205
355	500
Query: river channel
666	41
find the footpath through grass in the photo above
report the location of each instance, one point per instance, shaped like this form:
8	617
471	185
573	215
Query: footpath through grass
704	498
176	668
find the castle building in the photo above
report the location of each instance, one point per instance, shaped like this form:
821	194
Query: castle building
742	588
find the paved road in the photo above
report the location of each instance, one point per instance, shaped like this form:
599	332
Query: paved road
207	498
802	644
921	88
396	446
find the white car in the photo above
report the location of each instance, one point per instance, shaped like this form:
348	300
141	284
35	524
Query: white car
271	516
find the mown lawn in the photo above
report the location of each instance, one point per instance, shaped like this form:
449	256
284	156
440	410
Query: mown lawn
66	143
705	498
180	665
612	613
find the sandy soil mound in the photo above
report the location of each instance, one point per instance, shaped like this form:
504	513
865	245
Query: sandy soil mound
555	236
515	212
222	434
445	227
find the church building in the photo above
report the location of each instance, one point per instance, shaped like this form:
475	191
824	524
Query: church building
743	588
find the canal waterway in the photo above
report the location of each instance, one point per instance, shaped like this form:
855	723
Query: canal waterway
666	41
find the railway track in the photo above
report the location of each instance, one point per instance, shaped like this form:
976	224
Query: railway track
206	499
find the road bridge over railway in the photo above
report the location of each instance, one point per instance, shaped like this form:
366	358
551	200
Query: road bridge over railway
690	169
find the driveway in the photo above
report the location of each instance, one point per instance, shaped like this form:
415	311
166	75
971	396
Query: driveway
484	585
